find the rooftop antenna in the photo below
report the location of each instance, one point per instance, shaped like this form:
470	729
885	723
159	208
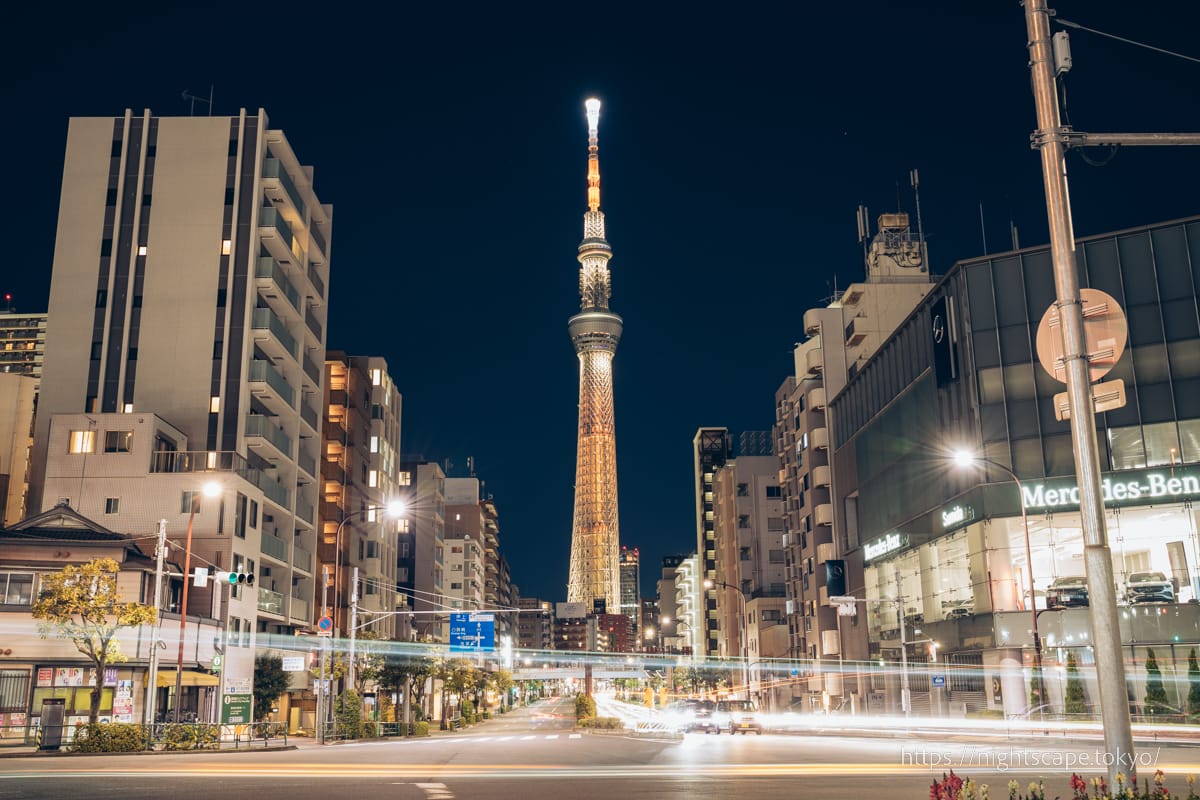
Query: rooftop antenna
864	229
1015	237
982	229
471	465
915	179
193	98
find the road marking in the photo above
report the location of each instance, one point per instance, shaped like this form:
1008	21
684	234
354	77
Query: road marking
435	791
504	739
527	738
575	736
552	736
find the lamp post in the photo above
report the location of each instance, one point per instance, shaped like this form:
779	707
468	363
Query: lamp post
708	584
211	489
965	459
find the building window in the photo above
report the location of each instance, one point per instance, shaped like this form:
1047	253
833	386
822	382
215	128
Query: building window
117	441
374	444
402	525
774	491
373	478
112	505
141	249
226	247
253	513
16	588
239	516
404	479
376	377
82	442
214	405
128	408
188	501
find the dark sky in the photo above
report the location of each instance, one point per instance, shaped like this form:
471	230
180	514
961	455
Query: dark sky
736	140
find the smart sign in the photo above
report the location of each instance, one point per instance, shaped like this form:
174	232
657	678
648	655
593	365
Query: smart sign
473	633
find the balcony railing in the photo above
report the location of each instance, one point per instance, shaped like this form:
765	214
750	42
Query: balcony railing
274	547
200	461
267	267
264	319
270	602
304	511
273	169
271	218
299	609
319	239
301	559
310	416
265	371
307	463
314	324
258	425
317	283
274	489
312	370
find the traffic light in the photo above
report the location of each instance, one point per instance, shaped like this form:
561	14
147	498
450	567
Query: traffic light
235	578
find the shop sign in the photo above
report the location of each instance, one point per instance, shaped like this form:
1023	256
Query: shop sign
957	516
45	676
884	545
235	709
1142	487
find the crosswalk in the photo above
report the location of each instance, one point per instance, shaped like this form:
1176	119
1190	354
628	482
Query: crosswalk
549	737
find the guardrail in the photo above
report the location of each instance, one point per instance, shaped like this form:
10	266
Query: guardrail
163	736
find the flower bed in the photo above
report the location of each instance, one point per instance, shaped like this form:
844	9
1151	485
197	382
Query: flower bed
955	787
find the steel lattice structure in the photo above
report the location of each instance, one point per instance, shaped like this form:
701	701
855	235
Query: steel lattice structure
595	332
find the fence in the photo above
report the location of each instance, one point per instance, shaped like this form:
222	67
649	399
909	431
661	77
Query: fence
131	737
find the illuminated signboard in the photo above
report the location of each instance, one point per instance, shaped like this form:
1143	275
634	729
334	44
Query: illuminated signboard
956	516
884	545
1141	487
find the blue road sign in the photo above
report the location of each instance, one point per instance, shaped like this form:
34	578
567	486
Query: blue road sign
939	680
473	633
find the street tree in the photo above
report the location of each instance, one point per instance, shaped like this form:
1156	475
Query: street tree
81	603
399	667
270	683
1156	693
1074	702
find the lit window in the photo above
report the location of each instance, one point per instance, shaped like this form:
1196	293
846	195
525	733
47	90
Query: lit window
402	525
212	460
226	247
376	377
141	249
373	478
129	408
112	505
82	442
370	515
405	479
374	444
214	404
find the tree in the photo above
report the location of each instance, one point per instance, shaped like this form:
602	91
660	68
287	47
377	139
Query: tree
399	667
368	661
1193	686
81	603
1074	702
1156	693
270	683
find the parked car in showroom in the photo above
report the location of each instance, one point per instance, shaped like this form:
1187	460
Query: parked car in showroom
1066	592
738	716
1149	587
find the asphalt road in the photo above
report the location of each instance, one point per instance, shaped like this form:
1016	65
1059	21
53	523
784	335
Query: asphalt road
535	753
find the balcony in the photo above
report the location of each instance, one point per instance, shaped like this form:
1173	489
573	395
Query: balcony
310	417
332	470
318	239
855	335
313	372
278	185
821	475
274	231
273	284
274	547
260	429
270	602
269	386
299	610
274	490
272	334
302	559
315	277
819	438
304	511
816	398
314	324
812	322
201	461
823	514
308	464
814	361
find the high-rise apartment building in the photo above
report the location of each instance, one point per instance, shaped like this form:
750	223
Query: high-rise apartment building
421	574
631	589
467	521
360	453
667	614
535	628
22	343
842	337
595	331
184	344
18	394
711	448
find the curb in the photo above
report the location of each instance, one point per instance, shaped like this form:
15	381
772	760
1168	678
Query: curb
224	750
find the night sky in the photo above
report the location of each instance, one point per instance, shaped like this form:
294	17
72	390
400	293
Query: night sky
736	141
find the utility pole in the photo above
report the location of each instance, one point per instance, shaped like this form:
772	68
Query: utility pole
322	700
152	674
353	627
905	697
1050	140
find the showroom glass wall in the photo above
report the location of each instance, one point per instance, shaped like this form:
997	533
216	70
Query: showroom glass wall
962	372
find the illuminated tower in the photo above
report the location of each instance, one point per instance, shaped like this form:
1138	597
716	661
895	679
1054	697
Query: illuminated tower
595	332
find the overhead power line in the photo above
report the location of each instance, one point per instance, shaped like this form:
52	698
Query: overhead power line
1076	25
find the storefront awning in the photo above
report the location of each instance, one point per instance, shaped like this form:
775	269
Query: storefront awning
190	678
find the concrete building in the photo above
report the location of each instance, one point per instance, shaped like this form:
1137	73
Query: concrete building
691	610
184	343
421	575
22	343
535	629
711	448
650	619
466	522
18	396
962	373
748	522
668	611
360	453
842	337
631	589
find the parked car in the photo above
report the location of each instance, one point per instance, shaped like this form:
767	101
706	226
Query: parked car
1149	587
957	609
1067	592
738	716
702	718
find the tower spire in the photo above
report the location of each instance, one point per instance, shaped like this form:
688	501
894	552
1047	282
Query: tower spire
593	118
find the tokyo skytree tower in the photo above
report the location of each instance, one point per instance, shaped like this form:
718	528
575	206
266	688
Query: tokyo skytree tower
595	331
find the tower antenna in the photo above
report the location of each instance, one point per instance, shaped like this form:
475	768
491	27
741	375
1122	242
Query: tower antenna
915	179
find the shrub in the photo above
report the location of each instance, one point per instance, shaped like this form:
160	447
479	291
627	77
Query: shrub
468	712
370	729
186	736
110	737
421	728
585	707
603	723
348	715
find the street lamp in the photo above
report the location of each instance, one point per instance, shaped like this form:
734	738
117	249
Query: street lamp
964	458
708	584
210	489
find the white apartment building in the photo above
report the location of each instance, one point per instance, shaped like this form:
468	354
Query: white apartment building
421	575
185	343
18	394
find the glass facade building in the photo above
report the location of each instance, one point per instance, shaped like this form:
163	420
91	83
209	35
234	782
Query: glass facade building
962	373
